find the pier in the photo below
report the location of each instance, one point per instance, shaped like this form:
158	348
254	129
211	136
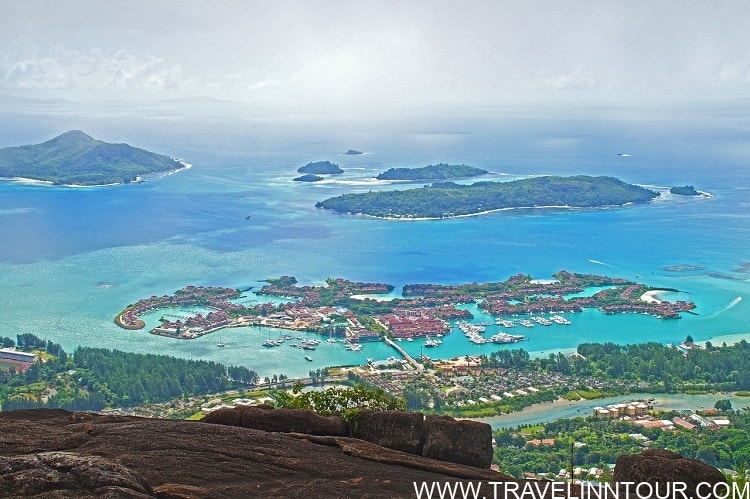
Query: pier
411	360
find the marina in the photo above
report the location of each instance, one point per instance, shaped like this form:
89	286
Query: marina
70	292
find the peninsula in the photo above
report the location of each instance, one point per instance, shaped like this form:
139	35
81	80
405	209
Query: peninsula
75	158
448	199
440	171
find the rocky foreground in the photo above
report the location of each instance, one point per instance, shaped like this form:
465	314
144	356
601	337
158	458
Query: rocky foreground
58	454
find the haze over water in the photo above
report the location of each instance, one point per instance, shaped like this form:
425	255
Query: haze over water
70	259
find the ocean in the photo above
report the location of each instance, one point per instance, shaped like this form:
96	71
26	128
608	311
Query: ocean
72	258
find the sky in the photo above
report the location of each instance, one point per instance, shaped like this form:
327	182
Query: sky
385	55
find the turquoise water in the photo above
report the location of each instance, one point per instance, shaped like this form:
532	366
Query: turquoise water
70	259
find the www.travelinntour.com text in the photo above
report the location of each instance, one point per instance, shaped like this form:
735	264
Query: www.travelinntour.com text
563	490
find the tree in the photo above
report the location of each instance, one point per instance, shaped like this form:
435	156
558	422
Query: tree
723	405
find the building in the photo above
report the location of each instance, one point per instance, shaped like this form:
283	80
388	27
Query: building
16	356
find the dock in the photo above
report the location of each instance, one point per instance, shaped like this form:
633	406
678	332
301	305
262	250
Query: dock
411	360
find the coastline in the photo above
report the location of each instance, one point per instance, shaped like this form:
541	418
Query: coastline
49	183
486	212
546	412
653	295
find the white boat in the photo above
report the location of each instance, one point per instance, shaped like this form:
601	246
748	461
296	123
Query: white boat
429	342
502	337
307	357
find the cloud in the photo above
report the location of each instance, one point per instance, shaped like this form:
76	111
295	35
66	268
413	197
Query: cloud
64	68
382	54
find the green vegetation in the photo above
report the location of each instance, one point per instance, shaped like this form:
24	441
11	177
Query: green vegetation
440	171
338	400
598	442
685	190
95	378
321	168
600	370
74	158
449	199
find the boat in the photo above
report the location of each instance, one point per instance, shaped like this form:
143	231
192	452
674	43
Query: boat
559	319
221	343
502	337
270	343
429	342
307	357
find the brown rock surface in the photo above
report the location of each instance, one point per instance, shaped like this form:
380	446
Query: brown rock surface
393	429
181	459
465	442
280	420
657	466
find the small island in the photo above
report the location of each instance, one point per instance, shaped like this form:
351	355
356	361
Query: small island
309	177
321	168
448	199
353	152
440	171
685	190
75	158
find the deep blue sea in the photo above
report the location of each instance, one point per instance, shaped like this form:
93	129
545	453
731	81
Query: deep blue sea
71	258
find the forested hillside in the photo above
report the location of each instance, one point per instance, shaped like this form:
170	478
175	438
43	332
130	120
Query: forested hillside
95	378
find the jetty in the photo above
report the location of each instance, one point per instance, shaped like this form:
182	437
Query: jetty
411	360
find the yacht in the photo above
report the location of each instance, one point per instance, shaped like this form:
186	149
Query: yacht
429	342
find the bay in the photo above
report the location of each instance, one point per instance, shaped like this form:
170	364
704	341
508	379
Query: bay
70	259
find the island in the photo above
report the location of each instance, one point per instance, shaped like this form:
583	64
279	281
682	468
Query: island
357	312
440	171
75	158
685	190
309	177
353	152
321	168
449	199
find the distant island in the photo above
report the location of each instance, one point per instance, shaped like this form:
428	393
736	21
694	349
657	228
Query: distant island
448	199
685	190
440	171
321	168
75	158
353	152
309	177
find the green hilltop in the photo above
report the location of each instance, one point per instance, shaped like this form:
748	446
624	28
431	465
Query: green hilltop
75	158
440	171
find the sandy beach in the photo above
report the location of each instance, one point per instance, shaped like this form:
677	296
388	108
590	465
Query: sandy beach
652	296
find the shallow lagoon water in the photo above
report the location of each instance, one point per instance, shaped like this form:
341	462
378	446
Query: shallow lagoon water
71	259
